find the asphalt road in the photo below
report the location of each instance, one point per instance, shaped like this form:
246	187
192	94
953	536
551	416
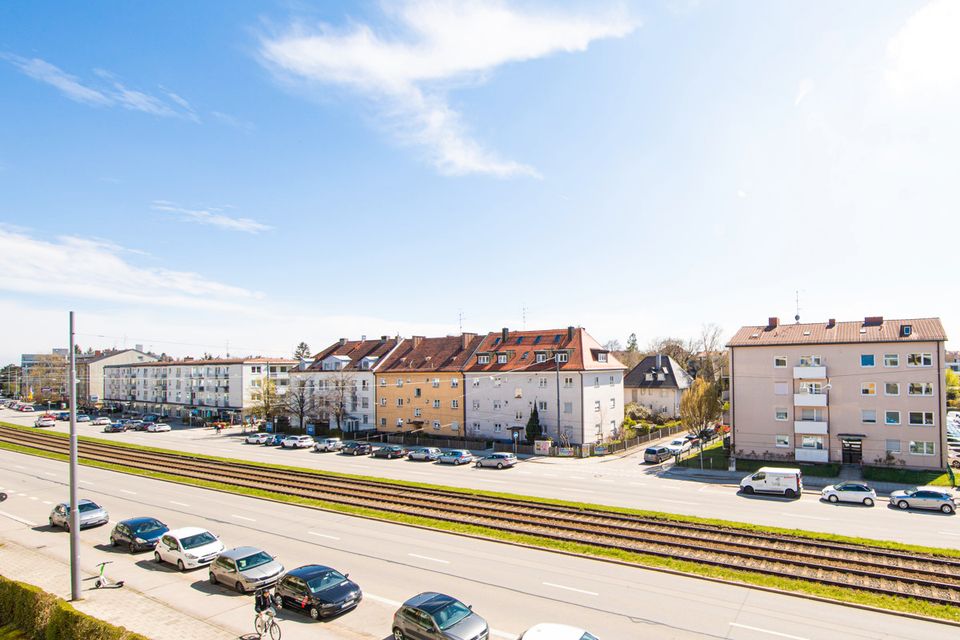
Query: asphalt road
512	587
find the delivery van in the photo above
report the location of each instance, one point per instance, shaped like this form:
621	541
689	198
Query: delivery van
788	482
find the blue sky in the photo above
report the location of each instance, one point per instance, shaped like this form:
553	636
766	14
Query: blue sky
188	175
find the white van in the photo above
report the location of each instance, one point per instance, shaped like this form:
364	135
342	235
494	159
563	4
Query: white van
789	482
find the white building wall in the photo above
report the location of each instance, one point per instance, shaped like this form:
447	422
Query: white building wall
602	405
362	404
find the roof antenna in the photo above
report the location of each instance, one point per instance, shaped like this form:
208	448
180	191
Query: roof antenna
524	311
797	317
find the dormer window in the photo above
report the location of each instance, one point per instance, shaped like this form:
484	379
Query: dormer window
483	359
561	357
541	357
501	358
601	357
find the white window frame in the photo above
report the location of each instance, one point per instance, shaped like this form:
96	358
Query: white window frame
777	360
890	449
541	357
601	357
864	386
925	386
926	360
891	360
541	405
886	390
811	361
923	418
417	413
483	359
561	357
782	441
886	418
873	364
501	358
863	416
454	404
781	411
596	406
436	404
436	425
930	450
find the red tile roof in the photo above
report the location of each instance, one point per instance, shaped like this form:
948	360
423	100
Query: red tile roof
356	350
449	353
876	330
522	347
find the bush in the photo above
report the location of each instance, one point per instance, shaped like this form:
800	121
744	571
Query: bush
637	412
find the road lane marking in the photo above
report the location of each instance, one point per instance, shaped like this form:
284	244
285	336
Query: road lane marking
381	600
416	555
772	633
572	489
678	501
797	515
47	502
86	482
20	520
322	535
560	586
132	493
948	533
233	515
525	473
50	473
34	498
491	480
182	504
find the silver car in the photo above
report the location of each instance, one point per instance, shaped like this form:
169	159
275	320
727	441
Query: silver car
498	460
434	615
923	498
245	569
456	457
328	444
424	453
91	515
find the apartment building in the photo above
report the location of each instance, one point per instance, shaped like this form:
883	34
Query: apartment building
953	361
657	383
574	383
225	388
343	375
868	392
44	376
420	385
90	376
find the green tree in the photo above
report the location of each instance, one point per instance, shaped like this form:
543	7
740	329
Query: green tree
302	352
267	403
534	430
699	408
632	346
953	378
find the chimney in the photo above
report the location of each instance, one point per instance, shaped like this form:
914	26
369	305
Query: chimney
465	339
138	347
570	333
416	341
342	341
773	323
98	353
503	334
831	323
384	338
659	362
873	320
363	338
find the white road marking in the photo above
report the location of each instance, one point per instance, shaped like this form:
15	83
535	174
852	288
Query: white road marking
50	473
22	494
797	515
381	600
525	473
572	489
677	501
34	498
20	520
560	586
19	466
233	515
322	535
182	504
491	480
772	633
86	482
132	493
47	502
415	555
948	533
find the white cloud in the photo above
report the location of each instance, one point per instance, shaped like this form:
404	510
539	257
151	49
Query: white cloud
212	216
93	269
431	45
924	54
804	89
68	85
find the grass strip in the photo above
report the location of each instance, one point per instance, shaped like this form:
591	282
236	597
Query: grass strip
658	515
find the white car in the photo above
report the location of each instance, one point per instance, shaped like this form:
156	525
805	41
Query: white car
257	438
157	427
678	445
101	422
188	548
45	422
549	631
858	492
297	442
328	444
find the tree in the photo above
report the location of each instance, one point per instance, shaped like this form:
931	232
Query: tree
699	408
267	403
302	352
338	395
632	343
613	345
10	381
680	350
300	401
534	430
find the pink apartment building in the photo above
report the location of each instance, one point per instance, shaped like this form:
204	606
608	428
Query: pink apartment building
868	392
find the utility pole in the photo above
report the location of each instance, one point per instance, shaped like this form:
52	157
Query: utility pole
74	506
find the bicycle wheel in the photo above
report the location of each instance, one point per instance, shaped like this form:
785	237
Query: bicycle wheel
259	626
274	630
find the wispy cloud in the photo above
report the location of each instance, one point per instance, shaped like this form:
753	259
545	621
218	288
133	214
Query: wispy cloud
804	89
408	68
212	216
93	269
923	54
106	91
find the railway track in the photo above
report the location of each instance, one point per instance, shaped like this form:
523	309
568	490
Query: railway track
884	571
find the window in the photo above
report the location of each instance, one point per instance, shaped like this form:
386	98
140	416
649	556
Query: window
399	402
811	442
483	359
568	407
783	441
383	402
454	383
596	382
383	422
416	392
541	357
780	362
781	389
476	382
383	382
919	360
541	406
867	360
518	392
780	414
501	358
810	361
561	357
476	426
601	357
921	418
497	427
891	418
436	404
567	383
416	413
455	426
436	382
436	425
399	382
891	388
613	403
811	415
868	416
893	446
891	359
612	381
454	404
497	404
596	406
920	389
476	404
364	403
518	415
812	388
497	381
868	388
921	448
543	383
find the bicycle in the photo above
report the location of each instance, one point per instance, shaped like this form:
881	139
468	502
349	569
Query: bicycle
265	622
105	582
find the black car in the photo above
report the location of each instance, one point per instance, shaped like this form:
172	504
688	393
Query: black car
138	534
390	452
319	591
356	448
116	427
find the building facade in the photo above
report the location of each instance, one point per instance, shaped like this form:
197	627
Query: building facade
868	392
657	383
45	376
226	388
575	385
90	378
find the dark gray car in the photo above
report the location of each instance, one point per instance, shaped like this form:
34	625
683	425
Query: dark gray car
245	569
434	615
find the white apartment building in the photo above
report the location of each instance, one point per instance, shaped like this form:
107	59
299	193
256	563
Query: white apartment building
574	383
225	388
868	392
346	362
91	382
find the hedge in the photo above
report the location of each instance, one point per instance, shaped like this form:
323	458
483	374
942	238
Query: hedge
44	616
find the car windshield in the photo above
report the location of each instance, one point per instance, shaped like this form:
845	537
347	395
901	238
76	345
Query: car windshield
197	540
450	615
150	526
257	559
88	506
588	636
325	581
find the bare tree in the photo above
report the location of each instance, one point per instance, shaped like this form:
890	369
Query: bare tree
711	355
699	408
267	403
300	401
677	348
338	393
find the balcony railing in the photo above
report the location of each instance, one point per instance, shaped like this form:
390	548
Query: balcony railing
810	373
812	455
817	427
810	399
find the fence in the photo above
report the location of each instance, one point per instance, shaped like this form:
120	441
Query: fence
423	441
625	445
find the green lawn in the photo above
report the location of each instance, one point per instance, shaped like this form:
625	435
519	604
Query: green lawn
714	457
907	476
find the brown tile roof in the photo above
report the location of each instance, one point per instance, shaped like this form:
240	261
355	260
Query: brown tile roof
521	348
215	361
449	353
869	330
356	350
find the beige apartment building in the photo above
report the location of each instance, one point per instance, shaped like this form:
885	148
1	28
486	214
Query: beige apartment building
869	392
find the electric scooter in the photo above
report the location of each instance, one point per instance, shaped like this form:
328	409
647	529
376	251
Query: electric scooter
104	582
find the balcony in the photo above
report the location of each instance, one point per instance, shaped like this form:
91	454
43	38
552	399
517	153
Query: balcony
812	455
809	373
809	399
810	427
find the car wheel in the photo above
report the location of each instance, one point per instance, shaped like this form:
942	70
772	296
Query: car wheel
132	547
790	493
156	557
748	490
314	613
278	602
834	499
113	542
239	587
180	565
868	502
499	465
356	452
213	578
397	634
955	464
946	508
903	504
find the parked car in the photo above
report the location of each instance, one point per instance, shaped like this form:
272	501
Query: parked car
788	482
146	426
275	440
424	453
328	444
498	460
26	408
138	534
692	438
656	455
91	515
923	498
456	457
188	548
157	427
679	445
850	492
63	416
434	615
356	448
549	631
135	425
297	442
44	421
84	418
257	438
101	422
150	417
317	590
116	427
389	452
245	569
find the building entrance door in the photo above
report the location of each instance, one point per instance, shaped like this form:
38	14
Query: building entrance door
852	451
